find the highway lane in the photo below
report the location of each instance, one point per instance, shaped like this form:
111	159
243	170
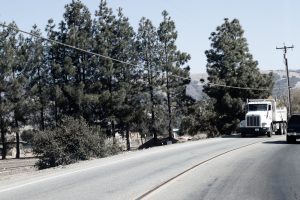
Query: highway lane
269	170
130	175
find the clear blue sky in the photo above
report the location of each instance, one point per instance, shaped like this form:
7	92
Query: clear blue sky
267	23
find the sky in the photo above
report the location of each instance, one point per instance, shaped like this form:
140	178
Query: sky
267	23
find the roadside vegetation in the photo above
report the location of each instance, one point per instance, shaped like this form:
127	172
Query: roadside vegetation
295	100
74	100
229	63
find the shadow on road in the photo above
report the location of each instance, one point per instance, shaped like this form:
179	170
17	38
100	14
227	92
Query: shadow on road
279	142
239	136
231	136
157	142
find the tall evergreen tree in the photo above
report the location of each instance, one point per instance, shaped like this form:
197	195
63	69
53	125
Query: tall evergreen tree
37	76
79	34
230	63
16	86
52	55
173	60
125	74
5	74
105	71
60	69
148	48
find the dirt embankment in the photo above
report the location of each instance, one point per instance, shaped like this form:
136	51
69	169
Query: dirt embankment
15	166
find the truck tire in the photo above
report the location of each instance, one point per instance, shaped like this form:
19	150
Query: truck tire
269	133
280	131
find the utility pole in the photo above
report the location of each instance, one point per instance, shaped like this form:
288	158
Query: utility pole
285	48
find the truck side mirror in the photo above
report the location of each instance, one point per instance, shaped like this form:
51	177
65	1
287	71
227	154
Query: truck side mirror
269	107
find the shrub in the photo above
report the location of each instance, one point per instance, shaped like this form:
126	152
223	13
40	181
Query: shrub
71	141
28	135
112	148
200	118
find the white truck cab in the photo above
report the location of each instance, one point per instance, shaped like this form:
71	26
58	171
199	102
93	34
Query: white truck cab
264	117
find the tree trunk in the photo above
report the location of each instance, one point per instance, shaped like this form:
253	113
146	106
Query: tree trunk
127	138
42	125
153	129
111	112
3	133
17	138
152	124
169	108
56	113
113	131
3	139
18	144
42	118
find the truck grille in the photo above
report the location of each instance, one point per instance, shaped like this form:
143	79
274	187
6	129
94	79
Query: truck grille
253	121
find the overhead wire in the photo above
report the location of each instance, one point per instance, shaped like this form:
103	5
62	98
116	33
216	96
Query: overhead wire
123	62
67	45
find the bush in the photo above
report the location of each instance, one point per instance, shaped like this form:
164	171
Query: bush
71	141
28	135
200	118
112	148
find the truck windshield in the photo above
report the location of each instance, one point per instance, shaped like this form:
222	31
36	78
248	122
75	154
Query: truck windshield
257	107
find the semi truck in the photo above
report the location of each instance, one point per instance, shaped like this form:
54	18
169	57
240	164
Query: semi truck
264	116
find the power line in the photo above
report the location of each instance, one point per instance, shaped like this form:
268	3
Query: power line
79	49
120	61
242	88
236	87
69	46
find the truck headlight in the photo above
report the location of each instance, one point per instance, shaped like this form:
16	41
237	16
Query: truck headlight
264	124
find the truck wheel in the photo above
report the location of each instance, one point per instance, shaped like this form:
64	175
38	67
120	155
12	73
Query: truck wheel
280	129
269	133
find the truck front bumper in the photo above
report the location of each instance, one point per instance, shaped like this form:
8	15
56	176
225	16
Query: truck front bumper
254	130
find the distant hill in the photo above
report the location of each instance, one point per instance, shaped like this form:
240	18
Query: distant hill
194	89
280	81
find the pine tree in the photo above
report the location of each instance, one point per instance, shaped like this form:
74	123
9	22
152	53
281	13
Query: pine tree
125	74
55	56
16	86
176	77
36	73
230	63
148	48
61	71
5	73
198	116
79	34
105	71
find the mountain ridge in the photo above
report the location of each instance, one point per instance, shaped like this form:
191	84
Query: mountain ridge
194	89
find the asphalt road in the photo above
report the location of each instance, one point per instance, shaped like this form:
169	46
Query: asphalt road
221	168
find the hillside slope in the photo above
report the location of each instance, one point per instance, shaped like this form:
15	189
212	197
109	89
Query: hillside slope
194	89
